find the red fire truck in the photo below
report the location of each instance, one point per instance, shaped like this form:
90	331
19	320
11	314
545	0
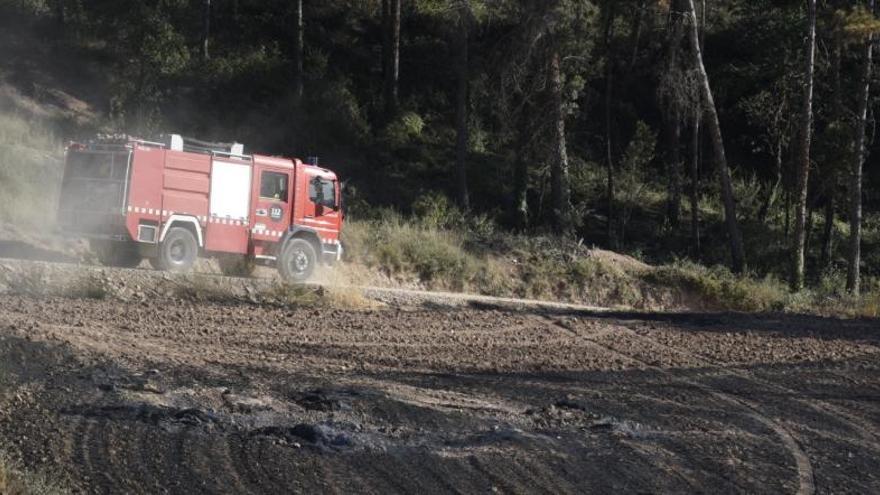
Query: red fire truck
176	199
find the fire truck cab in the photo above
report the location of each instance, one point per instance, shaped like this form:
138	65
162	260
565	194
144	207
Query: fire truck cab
176	199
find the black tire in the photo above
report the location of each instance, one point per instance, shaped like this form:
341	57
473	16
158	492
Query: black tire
236	266
298	260
179	250
118	254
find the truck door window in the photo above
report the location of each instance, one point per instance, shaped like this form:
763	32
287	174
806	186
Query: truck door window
273	185
322	192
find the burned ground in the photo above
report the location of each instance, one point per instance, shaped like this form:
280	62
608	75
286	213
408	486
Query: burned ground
165	395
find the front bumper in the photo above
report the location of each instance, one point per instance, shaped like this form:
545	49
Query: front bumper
331	253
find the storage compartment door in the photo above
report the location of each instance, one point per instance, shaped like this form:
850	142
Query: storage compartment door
227	229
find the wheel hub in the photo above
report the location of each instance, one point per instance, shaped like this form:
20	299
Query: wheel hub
177	251
299	261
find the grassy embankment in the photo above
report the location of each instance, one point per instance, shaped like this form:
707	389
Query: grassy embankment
30	170
475	257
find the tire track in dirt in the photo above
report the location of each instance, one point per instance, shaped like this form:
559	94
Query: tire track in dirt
806	484
865	430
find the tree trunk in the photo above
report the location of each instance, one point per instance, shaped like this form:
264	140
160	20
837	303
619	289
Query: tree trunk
738	258
787	221
773	190
461	107
827	232
803	165
521	174
559	187
673	164
298	53
391	51
386	46
637	32
836	58
855	180
206	31
696	149
808	228
609	153
703	13
695	183
830	172
672	124
58	11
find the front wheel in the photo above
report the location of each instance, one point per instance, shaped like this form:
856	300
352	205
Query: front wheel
297	262
178	251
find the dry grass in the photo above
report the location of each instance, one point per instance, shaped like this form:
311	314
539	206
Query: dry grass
339	297
718	289
869	306
420	254
29	281
89	286
347	298
16	481
35	281
434	258
30	171
200	288
204	288
425	254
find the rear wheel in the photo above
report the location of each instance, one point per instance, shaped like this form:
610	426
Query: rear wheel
119	254
179	250
297	262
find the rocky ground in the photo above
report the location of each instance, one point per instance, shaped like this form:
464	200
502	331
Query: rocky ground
146	392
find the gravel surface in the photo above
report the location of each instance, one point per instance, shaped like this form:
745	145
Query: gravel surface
154	394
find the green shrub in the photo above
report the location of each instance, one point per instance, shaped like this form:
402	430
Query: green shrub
405	128
718	288
435	211
436	256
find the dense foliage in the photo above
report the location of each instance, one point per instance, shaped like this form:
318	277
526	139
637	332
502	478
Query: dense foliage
583	117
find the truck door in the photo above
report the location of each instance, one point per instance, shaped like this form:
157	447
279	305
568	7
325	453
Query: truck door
273	203
322	211
229	206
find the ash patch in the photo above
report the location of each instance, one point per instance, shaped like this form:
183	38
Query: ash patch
573	412
496	436
154	415
319	435
325	400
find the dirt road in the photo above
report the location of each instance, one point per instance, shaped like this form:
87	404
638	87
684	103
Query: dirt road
163	395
